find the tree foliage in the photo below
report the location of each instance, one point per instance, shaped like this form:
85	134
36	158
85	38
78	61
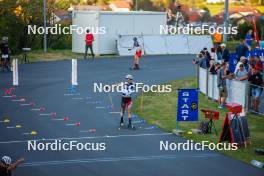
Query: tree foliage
17	15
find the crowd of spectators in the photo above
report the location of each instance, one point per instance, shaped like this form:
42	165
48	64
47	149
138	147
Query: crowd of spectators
248	70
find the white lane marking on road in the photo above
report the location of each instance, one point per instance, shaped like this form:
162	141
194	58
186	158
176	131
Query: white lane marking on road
10	127
100	107
88	137
71	94
133	158
7	96
114	112
45	114
78	98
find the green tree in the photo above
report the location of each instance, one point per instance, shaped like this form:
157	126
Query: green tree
65	4
11	25
15	18
261	2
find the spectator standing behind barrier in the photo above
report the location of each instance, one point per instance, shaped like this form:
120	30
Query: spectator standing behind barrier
6	167
256	81
213	67
243	60
241	49
222	75
218	54
251	61
241	73
249	39
225	53
201	60
89	38
259	65
208	57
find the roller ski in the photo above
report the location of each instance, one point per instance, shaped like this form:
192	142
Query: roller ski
128	126
135	67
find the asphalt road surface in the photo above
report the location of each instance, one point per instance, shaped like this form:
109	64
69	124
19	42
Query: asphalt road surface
127	152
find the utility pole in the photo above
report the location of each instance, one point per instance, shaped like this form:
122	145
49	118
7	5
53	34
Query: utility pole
45	26
226	18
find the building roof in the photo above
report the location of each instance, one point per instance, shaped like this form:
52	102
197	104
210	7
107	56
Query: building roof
62	16
88	8
61	13
245	11
194	16
238	12
121	4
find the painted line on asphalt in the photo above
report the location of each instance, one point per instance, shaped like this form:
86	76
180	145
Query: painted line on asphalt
71	94
78	98
118	159
114	112
87	137
100	107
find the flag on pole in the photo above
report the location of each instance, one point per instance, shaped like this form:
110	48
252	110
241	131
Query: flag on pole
255	31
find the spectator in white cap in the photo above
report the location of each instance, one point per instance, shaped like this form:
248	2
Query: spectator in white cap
242	60
6	166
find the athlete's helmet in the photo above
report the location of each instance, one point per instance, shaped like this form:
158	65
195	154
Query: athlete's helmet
6	160
135	39
129	77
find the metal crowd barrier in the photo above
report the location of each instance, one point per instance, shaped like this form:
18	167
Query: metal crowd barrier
238	91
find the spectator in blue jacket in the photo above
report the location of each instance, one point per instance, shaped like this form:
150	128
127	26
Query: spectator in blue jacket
208	56
201	60
249	39
241	50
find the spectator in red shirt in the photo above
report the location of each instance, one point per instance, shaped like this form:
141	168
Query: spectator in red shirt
256	85
89	43
259	65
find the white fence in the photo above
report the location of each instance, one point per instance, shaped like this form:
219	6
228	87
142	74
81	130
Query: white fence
165	44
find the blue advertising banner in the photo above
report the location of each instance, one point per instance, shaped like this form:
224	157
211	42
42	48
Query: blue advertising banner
232	62
187	105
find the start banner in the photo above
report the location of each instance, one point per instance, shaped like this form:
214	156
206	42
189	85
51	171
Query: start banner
187	105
